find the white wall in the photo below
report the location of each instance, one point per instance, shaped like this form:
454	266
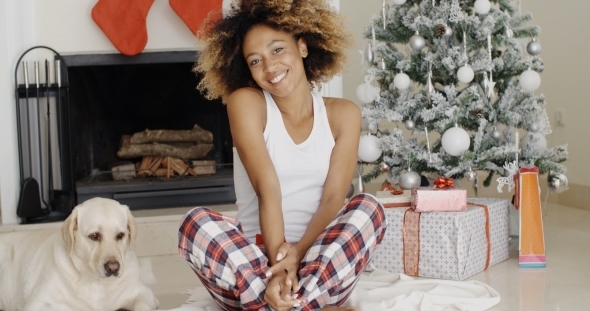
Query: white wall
16	33
566	46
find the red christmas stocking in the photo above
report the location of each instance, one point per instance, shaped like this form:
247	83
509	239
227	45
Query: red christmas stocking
124	23
194	12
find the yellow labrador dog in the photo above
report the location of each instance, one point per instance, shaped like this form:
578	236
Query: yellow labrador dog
90	265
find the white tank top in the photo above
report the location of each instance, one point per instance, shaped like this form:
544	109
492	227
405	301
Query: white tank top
302	171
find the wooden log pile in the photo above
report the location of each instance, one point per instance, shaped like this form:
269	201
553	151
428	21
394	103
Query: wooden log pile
181	144
165	167
165	153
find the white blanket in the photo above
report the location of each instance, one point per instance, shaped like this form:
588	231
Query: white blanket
381	290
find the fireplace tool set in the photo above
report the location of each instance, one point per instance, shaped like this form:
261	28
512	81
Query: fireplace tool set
41	198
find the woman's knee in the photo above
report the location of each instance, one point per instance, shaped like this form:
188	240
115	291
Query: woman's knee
369	205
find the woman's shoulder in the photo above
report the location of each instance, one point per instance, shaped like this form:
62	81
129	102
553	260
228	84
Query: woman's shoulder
246	96
341	109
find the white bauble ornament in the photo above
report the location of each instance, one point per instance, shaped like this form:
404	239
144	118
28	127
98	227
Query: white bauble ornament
366	93
417	42
534	141
369	148
482	6
534	127
409	180
534	47
399	2
455	141
448	31
509	33
530	80
401	81
410	125
465	74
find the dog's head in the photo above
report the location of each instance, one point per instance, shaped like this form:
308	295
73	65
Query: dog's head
99	235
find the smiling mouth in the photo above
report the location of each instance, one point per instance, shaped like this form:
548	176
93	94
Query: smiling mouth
278	78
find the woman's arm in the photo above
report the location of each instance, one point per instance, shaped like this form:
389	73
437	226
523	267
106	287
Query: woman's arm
345	121
246	109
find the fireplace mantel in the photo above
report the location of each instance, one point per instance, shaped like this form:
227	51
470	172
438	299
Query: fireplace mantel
67	27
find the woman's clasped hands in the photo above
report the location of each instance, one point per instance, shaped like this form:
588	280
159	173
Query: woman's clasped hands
281	291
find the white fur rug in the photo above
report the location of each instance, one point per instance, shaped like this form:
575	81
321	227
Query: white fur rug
384	291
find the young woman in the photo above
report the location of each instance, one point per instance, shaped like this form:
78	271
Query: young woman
293	244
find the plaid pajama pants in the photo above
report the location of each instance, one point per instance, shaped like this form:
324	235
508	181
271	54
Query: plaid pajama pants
233	269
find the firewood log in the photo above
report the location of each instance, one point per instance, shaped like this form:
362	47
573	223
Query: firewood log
162	150
196	134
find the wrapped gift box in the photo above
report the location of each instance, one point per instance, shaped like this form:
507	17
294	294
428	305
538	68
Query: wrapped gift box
427	199
445	245
389	199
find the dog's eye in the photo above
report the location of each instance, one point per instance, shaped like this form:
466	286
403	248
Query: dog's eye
120	236
94	237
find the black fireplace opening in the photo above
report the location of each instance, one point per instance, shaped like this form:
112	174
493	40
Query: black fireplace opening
111	95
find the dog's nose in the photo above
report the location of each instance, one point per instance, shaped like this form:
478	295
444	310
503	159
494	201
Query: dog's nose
112	267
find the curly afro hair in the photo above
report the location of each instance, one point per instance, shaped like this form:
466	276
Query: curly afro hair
222	63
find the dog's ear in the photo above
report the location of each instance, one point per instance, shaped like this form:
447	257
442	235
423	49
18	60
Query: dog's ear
132	227
69	228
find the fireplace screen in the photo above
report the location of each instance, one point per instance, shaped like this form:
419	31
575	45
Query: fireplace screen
141	133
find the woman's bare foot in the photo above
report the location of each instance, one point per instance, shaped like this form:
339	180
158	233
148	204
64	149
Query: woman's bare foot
330	308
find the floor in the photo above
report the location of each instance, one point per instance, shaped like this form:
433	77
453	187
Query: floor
563	285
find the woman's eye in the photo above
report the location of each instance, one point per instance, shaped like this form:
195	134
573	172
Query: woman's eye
254	62
277	50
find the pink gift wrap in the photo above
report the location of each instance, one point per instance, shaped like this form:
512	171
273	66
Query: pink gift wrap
426	199
449	245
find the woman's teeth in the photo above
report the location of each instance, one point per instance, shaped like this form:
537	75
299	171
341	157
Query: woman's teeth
278	78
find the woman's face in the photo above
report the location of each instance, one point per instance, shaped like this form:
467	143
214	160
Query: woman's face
275	60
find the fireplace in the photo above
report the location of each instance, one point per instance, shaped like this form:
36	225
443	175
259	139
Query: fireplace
112	95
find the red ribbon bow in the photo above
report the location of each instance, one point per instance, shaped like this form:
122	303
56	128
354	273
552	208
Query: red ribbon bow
444	183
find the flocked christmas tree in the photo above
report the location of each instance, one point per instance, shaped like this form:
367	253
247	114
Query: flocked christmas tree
454	73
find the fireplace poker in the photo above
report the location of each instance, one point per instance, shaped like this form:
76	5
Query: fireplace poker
49	150
41	179
28	118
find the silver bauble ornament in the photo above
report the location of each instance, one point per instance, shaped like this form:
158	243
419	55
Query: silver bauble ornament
417	42
470	175
409	180
534	127
369	55
557	183
410	125
448	31
350	192
496	134
534	47
382	64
